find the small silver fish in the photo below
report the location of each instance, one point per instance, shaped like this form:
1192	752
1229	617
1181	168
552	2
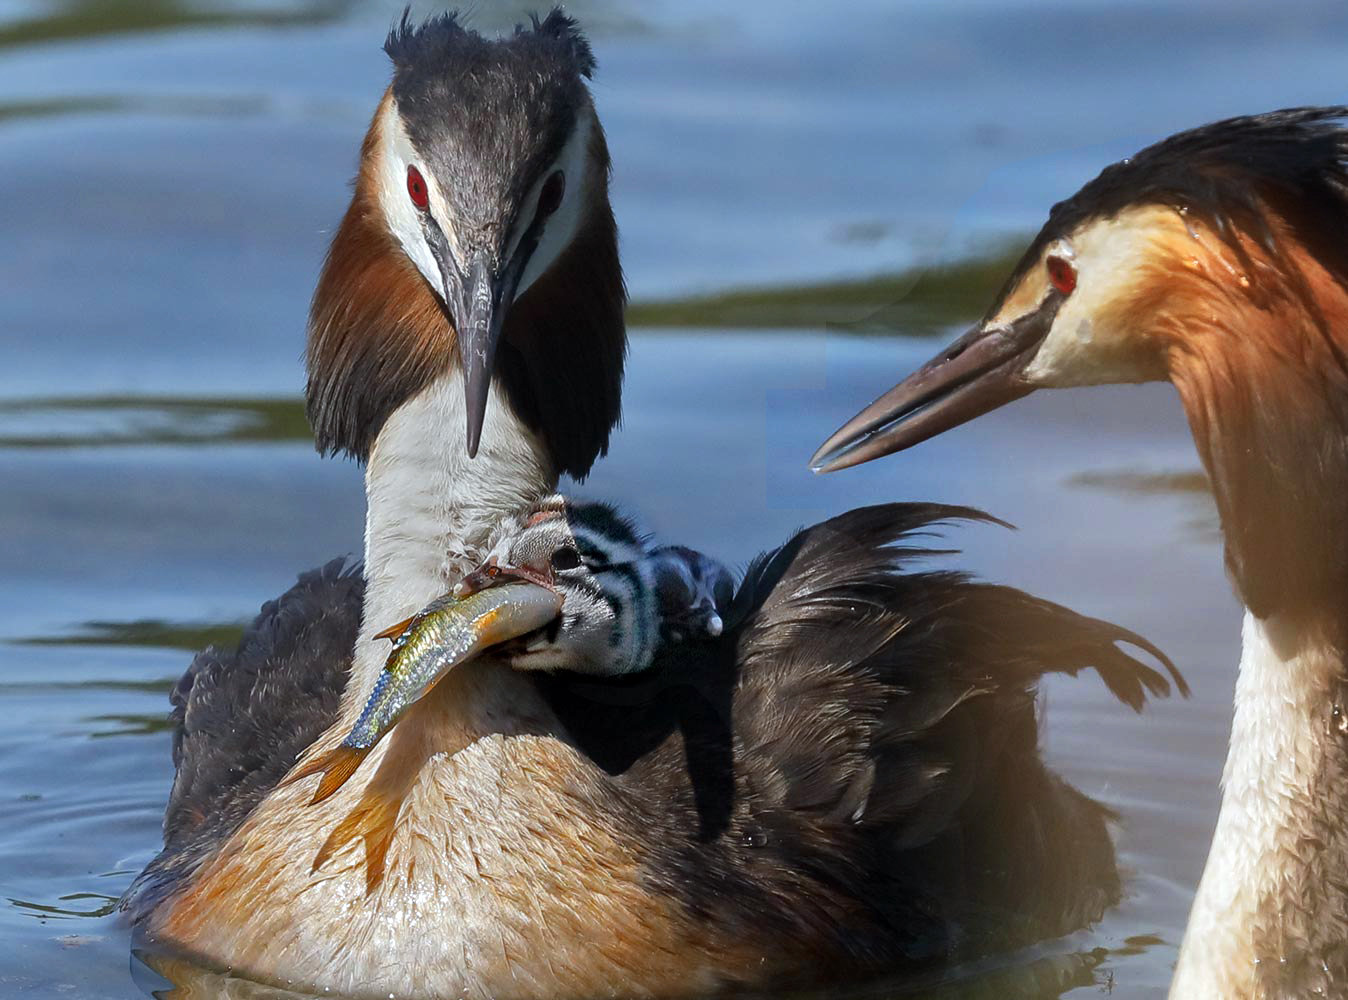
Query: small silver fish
446	633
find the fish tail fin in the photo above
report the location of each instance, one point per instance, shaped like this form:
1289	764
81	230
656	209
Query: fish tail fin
373	820
336	766
393	631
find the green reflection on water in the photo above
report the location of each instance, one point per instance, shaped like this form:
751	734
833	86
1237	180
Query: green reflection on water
917	301
190	636
59	422
1203	522
68	20
190	107
1145	483
144	724
108	906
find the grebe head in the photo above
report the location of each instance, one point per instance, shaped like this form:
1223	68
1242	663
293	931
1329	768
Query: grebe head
1191	236
1214	259
597	561
480	235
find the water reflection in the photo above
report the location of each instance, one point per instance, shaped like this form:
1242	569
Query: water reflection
73	20
917	301
109	420
1202	521
1032	976
191	636
168	976
107	905
192	107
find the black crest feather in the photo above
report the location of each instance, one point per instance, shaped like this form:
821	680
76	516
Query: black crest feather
566	32
1225	173
440	35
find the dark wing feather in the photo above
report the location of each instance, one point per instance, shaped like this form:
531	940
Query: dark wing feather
851	775
242	716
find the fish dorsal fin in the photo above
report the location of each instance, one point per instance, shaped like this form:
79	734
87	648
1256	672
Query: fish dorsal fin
393	631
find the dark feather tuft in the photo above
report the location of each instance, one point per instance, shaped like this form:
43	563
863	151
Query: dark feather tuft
439	40
566	32
863	742
1226	173
241	718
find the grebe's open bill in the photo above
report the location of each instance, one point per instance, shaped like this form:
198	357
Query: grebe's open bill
978	372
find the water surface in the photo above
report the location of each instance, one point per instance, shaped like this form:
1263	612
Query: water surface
172	171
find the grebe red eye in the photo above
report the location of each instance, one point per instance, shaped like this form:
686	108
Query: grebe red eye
551	195
416	189
1062	274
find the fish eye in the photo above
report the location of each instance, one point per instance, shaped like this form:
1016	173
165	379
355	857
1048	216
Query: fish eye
566	558
1062	273
550	198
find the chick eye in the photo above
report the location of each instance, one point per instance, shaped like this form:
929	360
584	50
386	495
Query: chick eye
416	189
565	558
1061	274
551	196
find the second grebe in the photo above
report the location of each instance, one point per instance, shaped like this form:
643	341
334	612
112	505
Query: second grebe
1216	259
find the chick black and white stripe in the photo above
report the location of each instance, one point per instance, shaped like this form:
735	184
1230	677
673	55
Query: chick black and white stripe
623	596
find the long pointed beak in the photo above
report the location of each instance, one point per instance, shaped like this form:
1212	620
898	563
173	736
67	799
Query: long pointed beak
978	372
479	315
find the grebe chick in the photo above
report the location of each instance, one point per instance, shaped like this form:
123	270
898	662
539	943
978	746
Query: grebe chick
621	594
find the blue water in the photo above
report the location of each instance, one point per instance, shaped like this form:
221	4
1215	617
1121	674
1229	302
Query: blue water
172	170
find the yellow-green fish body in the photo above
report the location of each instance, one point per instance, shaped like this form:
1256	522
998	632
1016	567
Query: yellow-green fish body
447	632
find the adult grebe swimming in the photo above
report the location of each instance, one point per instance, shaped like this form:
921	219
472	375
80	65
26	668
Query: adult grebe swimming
1215	259
846	781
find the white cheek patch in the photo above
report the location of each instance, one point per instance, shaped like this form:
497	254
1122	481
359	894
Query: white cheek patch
560	228
1084	347
404	218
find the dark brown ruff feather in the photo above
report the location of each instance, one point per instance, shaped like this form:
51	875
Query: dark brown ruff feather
377	333
565	340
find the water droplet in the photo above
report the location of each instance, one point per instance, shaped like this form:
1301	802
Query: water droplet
1244	280
754	838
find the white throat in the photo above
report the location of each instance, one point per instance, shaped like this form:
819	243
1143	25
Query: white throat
430	509
1266	896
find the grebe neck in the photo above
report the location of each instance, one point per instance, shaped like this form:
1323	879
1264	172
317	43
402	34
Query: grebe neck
430	508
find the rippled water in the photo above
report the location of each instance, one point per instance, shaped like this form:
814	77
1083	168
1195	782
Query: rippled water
171	171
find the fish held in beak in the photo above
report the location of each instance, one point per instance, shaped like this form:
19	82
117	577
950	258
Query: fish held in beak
447	633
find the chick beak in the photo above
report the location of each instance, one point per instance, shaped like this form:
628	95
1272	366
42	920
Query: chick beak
978	372
493	574
479	310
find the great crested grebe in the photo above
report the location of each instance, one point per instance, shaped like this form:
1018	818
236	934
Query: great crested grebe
845	781
1217	259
